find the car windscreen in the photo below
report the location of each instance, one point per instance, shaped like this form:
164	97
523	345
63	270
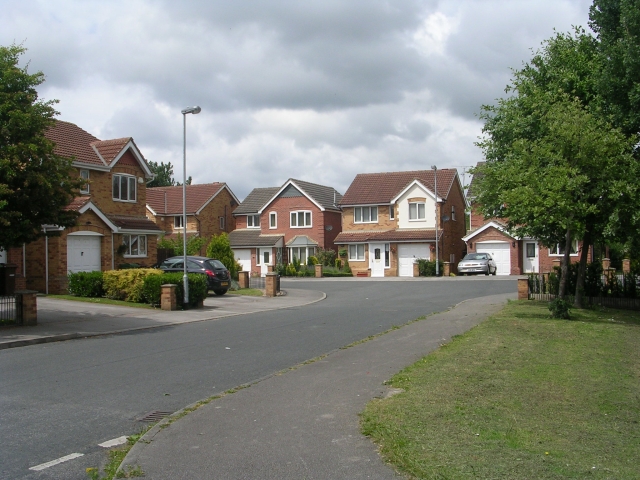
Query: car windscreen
215	264
475	256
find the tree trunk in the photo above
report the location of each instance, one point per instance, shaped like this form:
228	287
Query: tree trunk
582	268
564	268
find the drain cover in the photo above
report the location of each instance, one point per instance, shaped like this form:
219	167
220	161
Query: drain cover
154	416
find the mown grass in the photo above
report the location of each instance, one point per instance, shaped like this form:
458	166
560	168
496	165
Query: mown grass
521	396
250	292
101	301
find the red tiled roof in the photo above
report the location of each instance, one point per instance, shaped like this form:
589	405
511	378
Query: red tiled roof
77	203
168	200
109	149
380	188
427	235
73	142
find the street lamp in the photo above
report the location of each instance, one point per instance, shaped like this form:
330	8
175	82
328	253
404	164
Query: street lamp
435	187
185	279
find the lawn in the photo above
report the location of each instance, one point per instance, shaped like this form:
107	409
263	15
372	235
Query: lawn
521	396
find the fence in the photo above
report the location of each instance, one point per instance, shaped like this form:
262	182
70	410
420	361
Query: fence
9	314
614	291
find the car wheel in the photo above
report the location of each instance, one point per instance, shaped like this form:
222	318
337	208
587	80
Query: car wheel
220	291
495	271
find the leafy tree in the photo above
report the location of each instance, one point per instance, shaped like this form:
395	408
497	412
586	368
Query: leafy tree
163	175
556	169
35	184
220	249
194	244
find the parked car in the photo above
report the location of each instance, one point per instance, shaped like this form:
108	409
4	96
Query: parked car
477	263
218	277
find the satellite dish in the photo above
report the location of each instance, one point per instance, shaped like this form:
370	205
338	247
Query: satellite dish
328	228
445	218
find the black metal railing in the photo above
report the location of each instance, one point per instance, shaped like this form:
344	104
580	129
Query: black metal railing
9	314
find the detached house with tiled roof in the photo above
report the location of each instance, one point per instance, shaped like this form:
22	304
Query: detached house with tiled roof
111	228
275	225
389	221
209	208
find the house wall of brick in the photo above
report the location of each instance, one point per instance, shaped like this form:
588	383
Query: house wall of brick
492	234
283	207
452	247
384	222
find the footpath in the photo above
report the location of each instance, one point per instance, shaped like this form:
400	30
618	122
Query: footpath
67	319
302	423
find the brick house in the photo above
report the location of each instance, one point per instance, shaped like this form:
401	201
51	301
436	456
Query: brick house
389	221
513	255
275	225
111	228
209	208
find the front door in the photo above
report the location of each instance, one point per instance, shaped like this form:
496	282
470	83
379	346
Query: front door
265	261
531	255
376	259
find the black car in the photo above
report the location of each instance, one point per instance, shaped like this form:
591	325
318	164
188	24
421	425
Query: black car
218	277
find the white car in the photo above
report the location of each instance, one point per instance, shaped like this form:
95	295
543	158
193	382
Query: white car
474	263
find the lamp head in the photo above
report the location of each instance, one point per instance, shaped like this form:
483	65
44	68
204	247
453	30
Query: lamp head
433	167
195	110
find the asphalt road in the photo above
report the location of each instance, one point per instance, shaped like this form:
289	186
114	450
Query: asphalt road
68	397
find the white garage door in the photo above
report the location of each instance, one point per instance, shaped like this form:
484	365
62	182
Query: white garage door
243	256
409	252
83	253
501	254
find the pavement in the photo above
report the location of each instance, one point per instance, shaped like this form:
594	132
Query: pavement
302	423
67	319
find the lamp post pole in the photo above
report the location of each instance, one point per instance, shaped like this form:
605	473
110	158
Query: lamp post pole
185	278
435	187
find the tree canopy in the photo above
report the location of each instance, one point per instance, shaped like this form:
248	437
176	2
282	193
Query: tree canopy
36	185
163	175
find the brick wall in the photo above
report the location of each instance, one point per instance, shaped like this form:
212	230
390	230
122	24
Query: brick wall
492	234
453	230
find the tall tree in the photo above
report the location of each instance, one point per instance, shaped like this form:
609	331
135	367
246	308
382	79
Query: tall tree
556	170
163	175
35	184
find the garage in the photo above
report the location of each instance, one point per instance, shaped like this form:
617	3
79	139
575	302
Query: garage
407	253
501	254
243	256
83	252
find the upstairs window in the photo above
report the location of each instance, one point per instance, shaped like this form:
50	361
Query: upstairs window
453	213
84	174
365	215
253	221
417	211
273	220
301	219
221	220
178	221
124	188
392	212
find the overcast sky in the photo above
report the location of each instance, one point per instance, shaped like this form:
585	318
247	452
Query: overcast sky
318	90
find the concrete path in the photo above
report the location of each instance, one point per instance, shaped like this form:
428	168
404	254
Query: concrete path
67	319
302	423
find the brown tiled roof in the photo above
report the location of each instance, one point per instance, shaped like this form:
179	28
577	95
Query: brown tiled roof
381	188
73	142
109	149
247	237
321	194
77	203
168	200
388	236
133	223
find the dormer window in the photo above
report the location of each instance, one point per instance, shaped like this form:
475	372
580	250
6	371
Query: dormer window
124	188
84	174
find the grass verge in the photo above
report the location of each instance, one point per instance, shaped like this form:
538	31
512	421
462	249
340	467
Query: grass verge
101	301
250	292
519	396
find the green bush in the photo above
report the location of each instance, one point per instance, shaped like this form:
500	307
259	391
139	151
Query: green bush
86	284
291	271
335	272
338	263
127	284
325	257
220	249
559	308
311	261
194	244
346	268
426	268
152	287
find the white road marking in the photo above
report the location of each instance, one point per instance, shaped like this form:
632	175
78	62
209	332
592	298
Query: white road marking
114	442
66	458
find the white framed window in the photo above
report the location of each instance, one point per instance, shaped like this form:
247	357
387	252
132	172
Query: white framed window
178	221
124	188
253	221
356	252
301	219
222	223
558	249
84	174
301	253
365	215
417	211
136	245
273	220
392	212
453	213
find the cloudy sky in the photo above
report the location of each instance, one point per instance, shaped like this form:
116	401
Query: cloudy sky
318	90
